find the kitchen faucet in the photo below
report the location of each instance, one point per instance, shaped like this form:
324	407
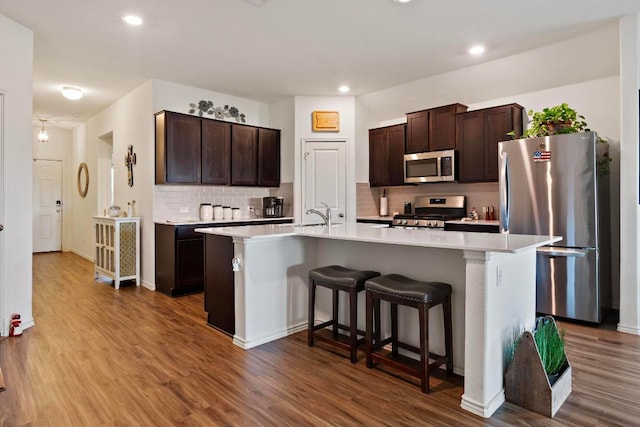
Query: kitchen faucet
326	217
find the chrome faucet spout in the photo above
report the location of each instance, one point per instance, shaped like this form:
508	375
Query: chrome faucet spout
326	217
320	214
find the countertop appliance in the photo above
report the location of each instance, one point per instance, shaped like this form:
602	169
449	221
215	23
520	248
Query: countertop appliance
431	212
272	207
551	186
432	166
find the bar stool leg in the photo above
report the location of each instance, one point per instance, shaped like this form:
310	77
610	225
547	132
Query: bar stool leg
423	314
376	326
448	334
335	313
312	306
353	325
394	329
369	326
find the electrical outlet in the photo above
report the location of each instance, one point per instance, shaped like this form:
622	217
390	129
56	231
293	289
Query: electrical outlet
499	275
184	209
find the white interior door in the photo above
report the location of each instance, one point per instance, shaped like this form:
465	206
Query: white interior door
324	179
47	205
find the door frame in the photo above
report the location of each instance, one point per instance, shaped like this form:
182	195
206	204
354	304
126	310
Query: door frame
3	279
350	208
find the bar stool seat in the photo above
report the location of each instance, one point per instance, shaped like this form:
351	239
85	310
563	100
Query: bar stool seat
400	290
338	278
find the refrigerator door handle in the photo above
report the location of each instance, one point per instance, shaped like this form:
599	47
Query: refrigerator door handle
505	192
560	252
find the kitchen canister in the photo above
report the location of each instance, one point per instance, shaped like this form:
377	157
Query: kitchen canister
217	212
206	211
226	212
235	213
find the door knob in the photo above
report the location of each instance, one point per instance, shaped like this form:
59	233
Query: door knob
341	215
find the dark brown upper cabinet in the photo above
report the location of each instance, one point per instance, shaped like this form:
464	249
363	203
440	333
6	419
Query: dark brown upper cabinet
478	134
196	150
386	155
433	129
268	157
216	152
178	149
244	155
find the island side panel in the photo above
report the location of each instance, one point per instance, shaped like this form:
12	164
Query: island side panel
420	263
271	288
501	296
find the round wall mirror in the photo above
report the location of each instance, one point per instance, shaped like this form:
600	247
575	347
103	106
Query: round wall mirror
83	179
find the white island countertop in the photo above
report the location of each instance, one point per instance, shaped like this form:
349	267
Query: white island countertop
486	242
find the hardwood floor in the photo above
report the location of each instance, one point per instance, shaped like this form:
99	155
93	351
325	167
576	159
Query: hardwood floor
134	357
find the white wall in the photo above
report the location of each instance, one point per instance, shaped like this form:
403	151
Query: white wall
282	116
129	121
177	97
59	147
629	171
16	83
345	106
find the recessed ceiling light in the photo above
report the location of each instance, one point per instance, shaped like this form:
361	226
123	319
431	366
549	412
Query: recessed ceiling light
476	50
132	20
344	89
401	1
72	93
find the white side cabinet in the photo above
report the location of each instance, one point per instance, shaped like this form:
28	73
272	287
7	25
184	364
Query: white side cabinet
117	248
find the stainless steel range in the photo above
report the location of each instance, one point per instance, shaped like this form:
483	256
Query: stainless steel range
431	212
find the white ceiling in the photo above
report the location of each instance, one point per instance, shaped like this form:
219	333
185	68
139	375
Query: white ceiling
282	48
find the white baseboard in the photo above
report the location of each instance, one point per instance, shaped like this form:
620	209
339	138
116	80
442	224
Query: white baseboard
85	256
254	342
148	285
634	330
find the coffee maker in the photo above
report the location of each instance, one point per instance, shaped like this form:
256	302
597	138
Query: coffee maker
272	207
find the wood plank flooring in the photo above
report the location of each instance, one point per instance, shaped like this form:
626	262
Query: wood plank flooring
134	357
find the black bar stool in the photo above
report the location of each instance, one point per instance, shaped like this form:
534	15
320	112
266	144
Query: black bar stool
401	290
338	278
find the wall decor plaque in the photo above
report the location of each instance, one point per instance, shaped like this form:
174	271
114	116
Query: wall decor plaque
325	121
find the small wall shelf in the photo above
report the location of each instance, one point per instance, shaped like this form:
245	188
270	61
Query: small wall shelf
117	250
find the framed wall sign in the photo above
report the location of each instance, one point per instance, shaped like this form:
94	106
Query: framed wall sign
325	121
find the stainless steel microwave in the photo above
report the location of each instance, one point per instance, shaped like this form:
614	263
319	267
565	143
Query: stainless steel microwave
433	166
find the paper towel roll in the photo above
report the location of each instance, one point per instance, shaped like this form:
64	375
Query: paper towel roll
384	206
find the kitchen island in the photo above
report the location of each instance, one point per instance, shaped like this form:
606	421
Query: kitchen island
493	279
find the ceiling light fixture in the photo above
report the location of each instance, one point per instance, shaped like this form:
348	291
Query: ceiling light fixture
344	89
72	93
401	1
43	136
476	50
132	20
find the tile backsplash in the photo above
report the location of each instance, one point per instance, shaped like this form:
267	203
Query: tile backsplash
170	199
478	195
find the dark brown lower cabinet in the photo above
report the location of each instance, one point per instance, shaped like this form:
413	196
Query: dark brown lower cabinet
179	259
219	292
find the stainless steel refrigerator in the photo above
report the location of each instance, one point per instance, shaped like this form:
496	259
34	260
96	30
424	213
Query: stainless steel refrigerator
551	186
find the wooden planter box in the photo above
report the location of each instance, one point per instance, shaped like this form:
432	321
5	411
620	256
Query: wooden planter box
527	384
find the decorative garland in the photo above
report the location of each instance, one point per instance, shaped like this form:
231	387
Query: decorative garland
219	112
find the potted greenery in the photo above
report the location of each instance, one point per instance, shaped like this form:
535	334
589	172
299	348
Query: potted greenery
539	376
557	120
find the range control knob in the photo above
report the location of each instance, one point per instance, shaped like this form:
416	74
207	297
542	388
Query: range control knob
416	222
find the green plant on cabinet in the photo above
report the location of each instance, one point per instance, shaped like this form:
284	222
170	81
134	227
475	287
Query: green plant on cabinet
558	120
